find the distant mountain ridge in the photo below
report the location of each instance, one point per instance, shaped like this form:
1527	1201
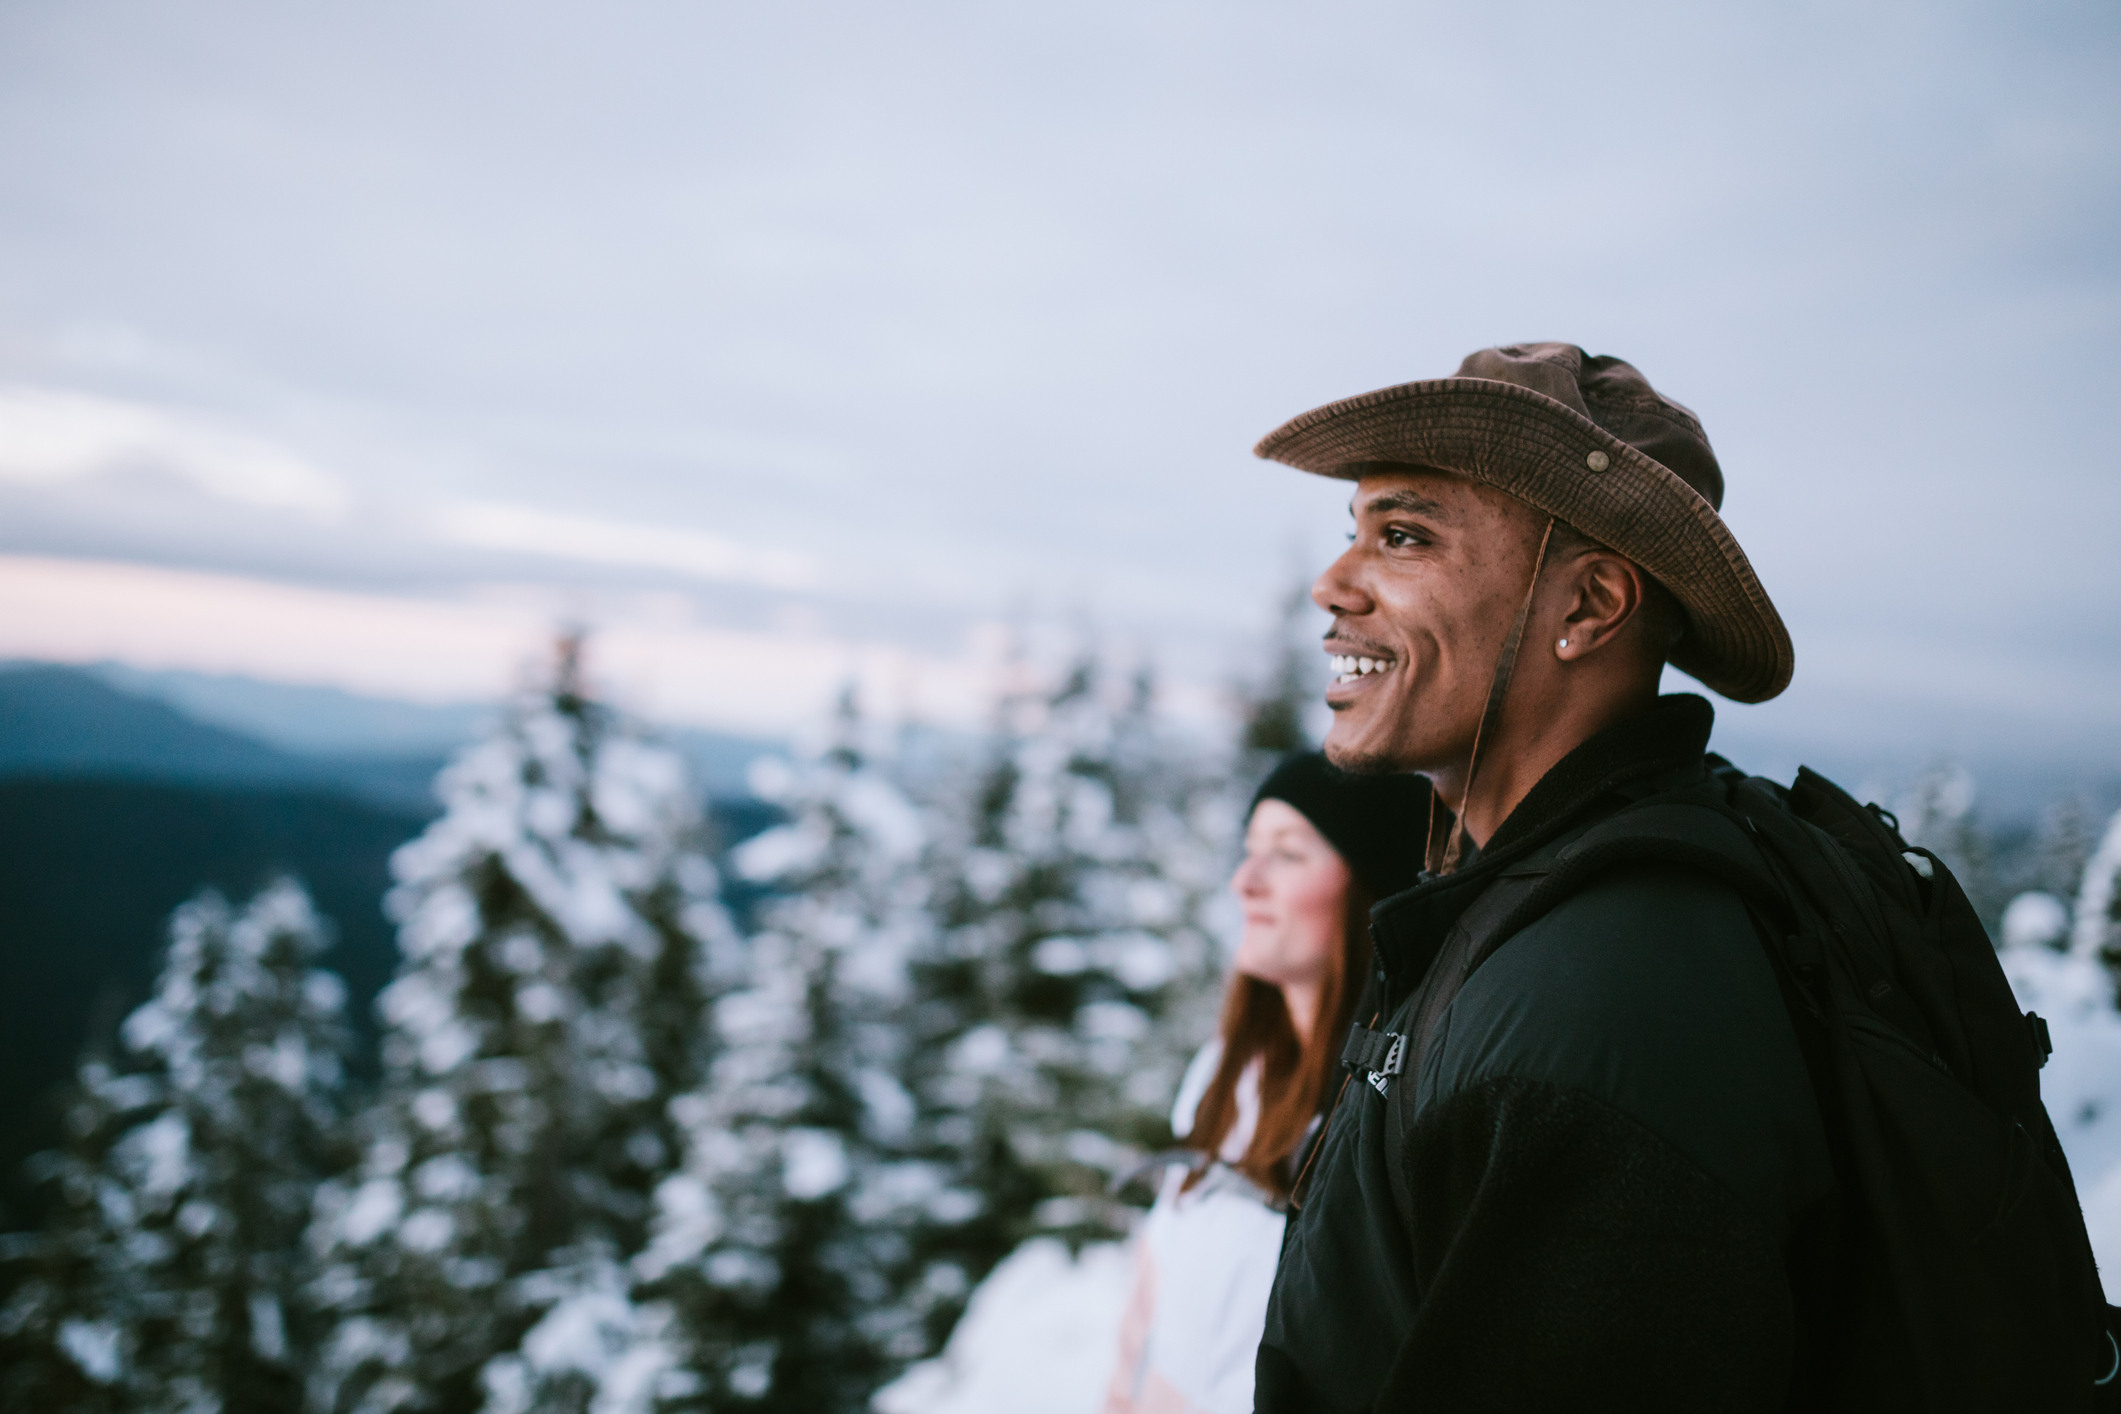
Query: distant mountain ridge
60	723
111	722
304	718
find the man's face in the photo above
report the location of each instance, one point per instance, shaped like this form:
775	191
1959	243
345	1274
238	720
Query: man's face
1426	592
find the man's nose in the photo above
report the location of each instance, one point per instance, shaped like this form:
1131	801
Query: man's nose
1339	591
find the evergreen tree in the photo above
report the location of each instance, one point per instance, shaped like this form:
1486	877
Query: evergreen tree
561	941
169	1277
1938	814
786	1273
2062	847
2096	926
1274	707
1072	973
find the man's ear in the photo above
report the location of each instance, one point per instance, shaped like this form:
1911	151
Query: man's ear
1604	593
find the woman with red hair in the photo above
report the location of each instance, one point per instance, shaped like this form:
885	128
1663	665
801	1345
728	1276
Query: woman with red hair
1320	848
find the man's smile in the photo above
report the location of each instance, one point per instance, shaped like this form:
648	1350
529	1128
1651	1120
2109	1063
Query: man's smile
1349	667
1354	660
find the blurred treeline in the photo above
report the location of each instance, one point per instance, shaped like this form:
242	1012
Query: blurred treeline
646	1120
652	1124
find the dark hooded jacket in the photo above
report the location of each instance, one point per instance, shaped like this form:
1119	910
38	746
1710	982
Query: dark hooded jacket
1620	1189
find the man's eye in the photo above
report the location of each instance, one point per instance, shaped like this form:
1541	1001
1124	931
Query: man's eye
1395	537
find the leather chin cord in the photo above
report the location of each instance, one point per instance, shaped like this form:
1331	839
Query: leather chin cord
1498	689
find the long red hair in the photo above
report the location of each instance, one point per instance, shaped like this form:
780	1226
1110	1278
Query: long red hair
1293	1076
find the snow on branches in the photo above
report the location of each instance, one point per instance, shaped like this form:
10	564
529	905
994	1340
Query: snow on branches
619	1159
1073	963
562	943
787	1271
172	1275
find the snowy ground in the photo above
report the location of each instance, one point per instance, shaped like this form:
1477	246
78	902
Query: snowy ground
1040	1338
2081	1085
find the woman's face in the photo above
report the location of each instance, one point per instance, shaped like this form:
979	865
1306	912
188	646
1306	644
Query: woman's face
1294	887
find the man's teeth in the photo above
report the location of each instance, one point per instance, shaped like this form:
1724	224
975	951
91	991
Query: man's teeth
1347	669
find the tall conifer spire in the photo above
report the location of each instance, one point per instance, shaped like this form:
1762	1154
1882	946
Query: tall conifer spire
561	945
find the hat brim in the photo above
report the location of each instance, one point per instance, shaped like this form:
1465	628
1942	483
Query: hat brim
1535	448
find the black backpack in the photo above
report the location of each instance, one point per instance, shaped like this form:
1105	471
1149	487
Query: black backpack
1967	1280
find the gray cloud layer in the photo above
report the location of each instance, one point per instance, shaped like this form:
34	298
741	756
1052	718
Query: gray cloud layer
963	304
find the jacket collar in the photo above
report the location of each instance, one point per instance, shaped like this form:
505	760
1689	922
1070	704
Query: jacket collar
1657	749
1671	735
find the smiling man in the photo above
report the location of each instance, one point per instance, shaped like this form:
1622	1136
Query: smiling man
1579	1164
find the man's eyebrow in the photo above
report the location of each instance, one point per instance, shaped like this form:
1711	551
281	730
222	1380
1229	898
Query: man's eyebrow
1402	500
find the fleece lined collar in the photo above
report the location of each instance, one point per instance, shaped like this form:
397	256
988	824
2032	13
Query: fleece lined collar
1658	749
1672	735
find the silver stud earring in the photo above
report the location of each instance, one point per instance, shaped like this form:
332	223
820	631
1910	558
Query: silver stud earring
1563	644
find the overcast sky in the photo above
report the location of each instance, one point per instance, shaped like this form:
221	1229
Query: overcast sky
353	343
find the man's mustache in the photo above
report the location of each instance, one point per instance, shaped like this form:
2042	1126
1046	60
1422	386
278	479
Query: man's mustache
1337	638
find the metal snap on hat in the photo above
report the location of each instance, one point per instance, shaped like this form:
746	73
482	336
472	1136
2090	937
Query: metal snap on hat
1587	440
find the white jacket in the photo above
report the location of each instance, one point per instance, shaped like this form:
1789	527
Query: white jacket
1204	1262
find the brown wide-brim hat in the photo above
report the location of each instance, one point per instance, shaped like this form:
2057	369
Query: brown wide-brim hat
1590	442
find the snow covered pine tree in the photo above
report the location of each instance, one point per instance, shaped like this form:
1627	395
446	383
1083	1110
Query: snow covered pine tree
2097	930
2060	961
168	1278
1074	971
1275	706
561	940
787	1273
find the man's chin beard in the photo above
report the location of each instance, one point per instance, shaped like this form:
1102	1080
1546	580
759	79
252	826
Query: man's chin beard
1356	762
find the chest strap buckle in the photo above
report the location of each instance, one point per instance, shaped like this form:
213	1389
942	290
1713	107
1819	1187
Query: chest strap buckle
1378	1052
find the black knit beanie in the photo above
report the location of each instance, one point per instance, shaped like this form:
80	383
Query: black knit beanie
1379	824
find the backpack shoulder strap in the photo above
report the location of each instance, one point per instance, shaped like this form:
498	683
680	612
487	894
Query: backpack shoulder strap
1692	829
1392	1060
